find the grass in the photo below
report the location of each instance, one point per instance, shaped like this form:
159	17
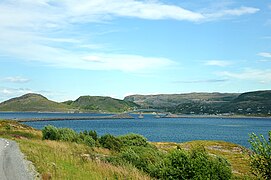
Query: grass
64	160
236	155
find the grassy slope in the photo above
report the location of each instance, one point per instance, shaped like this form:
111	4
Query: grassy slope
33	102
63	160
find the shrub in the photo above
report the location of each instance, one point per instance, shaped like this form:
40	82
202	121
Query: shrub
50	132
110	142
89	141
208	167
66	134
144	158
8	127
176	165
260	159
134	140
93	134
196	164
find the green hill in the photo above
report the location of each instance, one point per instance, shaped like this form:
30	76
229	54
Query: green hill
101	104
36	102
33	102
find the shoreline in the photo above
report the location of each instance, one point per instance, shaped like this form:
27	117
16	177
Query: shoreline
218	116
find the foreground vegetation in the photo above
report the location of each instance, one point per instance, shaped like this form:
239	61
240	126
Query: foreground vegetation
65	154
261	156
134	150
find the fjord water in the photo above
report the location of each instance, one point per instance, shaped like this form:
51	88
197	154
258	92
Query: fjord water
234	130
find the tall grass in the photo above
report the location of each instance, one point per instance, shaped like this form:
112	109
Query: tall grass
64	160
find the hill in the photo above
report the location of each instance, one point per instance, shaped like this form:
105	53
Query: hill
101	104
38	103
33	102
257	102
168	101
249	103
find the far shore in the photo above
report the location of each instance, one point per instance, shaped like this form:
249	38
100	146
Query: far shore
108	115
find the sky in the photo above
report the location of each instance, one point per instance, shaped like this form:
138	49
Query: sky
63	49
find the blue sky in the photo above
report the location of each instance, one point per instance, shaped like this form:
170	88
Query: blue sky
67	48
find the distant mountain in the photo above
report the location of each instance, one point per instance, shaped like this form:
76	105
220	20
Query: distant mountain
33	102
249	103
257	102
165	101
101	104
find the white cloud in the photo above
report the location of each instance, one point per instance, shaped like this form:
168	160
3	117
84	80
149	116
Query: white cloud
217	63
29	31
82	10
124	62
261	76
264	60
7	93
265	54
16	79
202	81
230	12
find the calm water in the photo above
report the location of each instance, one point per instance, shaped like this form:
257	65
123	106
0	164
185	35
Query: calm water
163	129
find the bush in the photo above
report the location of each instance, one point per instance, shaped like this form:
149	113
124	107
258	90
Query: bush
50	132
208	167
66	134
176	165
144	158
196	164
8	127
110	142
89	141
260	159
134	140
93	134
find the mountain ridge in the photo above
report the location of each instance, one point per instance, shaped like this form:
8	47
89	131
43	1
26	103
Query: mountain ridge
249	103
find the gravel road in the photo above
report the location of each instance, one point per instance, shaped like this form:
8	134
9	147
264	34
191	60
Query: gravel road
13	166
